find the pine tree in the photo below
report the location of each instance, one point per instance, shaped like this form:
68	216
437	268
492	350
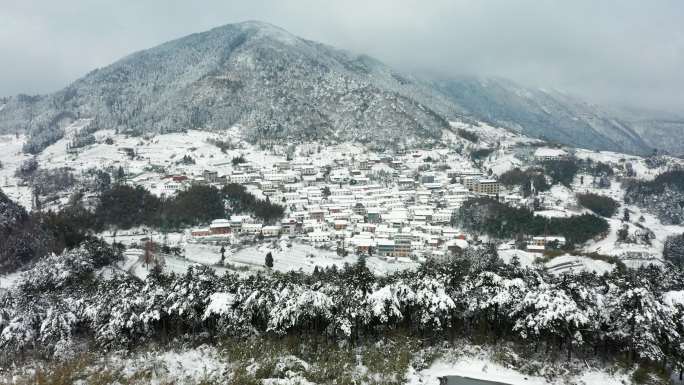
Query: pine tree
120	176
223	254
269	260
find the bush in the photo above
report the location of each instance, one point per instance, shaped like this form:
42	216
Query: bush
599	204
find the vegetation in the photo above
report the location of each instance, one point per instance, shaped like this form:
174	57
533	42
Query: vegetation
674	250
597	169
561	171
269	260
238	160
599	204
670	179
468	135
525	180
124	206
313	359
473	296
22	239
198	204
186	159
26	169
663	196
502	221
242	201
224	146
52	180
481	153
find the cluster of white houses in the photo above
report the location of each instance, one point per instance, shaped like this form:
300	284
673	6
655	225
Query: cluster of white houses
408	214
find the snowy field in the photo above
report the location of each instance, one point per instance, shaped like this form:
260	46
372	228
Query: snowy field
486	370
208	364
576	264
638	163
247	259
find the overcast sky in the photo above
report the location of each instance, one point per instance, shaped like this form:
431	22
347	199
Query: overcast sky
609	51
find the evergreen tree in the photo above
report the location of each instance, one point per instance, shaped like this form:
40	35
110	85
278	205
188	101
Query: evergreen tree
223	254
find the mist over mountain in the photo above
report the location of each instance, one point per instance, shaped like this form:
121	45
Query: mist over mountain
278	86
540	113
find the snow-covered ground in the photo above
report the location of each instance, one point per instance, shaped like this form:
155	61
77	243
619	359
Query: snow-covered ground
189	366
484	369
287	256
526	259
7	281
638	163
635	254
209	364
576	264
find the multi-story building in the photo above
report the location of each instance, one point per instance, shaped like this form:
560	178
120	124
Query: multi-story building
487	187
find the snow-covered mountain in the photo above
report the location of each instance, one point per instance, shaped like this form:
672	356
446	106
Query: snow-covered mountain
278	86
272	83
659	129
541	113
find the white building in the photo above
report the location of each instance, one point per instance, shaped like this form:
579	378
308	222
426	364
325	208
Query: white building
271	231
251	228
319	236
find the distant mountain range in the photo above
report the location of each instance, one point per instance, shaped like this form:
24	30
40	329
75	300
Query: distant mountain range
279	86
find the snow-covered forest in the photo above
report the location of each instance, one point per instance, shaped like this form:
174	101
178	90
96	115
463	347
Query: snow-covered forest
65	304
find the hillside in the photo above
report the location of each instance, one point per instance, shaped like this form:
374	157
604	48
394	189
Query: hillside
252	74
21	238
543	114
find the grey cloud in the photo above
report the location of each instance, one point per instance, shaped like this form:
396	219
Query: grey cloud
613	51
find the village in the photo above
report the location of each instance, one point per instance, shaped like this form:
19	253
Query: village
406	217
396	206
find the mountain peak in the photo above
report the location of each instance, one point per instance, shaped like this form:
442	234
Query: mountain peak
261	29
